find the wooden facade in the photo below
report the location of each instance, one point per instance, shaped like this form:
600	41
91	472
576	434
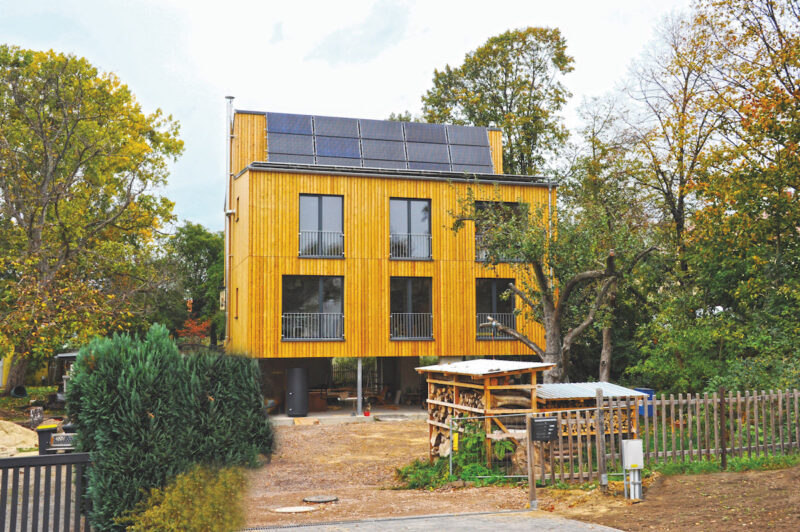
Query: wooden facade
263	247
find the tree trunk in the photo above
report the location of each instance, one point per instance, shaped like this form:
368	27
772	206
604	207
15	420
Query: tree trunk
16	373
553	353
605	356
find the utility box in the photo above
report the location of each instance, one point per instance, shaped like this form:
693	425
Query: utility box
544	429
632	454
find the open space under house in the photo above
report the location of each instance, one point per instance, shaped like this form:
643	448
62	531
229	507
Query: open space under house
338	245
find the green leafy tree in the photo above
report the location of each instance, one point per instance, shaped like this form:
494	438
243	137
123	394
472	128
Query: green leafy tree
79	165
513	81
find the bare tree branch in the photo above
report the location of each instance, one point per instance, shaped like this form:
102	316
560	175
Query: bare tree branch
511	332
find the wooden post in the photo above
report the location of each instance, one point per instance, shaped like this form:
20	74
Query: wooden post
646	429
680	427
780	420
689	425
534	504
672	426
600	435
747	401
739	418
715	403
772	420
755	417
723	428
796	420
707	439
664	426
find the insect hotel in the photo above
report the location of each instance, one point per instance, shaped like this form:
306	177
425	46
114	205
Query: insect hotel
491	389
478	388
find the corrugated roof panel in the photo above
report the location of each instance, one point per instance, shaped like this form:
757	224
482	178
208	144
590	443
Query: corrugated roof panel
584	390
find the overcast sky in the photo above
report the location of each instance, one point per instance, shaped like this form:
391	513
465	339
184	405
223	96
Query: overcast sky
342	58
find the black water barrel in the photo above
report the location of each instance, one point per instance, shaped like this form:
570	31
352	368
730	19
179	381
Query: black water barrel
296	392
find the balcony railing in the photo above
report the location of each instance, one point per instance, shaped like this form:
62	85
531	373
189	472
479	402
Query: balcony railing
508	319
321	244
312	326
411	326
410	246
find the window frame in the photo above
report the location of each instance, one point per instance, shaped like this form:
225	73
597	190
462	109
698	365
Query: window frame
320	224
320	301
429	232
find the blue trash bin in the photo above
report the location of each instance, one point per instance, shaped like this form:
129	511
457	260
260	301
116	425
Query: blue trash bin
651	393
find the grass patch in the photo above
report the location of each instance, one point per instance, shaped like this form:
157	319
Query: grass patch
736	464
421	474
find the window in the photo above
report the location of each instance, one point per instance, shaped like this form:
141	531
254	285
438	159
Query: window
236	306
410	228
505	210
489	303
411	311
313	307
237	208
321	226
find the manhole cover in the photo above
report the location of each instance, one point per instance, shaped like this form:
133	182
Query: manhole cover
318	499
294	509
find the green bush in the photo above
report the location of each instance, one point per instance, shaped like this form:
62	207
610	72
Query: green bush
200	500
147	413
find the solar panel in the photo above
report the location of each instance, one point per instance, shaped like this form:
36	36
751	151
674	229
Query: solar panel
415	165
382	163
471	155
419	132
339	161
288	123
286	143
335	127
428	153
381	130
383	149
338	147
290	158
471	136
473	168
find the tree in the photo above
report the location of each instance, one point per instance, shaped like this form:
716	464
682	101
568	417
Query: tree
551	272
513	81
199	255
79	162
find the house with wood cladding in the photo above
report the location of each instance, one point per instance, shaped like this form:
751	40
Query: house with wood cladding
338	243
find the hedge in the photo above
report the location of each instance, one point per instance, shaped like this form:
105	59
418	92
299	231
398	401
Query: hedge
146	413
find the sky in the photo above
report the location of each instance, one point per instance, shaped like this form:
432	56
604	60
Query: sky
361	59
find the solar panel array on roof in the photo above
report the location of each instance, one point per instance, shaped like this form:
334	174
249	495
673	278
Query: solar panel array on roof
326	140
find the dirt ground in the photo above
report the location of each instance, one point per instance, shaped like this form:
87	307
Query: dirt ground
356	463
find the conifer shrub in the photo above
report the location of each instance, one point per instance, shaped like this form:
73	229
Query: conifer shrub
146	413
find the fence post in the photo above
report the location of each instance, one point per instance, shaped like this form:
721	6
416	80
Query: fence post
600	434
534	503
723	427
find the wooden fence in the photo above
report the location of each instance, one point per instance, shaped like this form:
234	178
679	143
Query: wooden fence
673	429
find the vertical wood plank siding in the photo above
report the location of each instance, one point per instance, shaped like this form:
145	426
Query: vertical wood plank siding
496	144
264	247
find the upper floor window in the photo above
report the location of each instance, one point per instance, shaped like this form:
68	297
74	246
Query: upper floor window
313	307
321	222
410	228
504	210
489	302
411	315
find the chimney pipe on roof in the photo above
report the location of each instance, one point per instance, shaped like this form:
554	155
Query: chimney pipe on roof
227	208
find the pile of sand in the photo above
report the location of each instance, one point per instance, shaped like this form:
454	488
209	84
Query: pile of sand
14	437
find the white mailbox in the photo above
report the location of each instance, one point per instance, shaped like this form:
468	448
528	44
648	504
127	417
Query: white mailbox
632	454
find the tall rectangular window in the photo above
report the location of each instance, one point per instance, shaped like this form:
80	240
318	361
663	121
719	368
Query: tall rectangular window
321	223
488	302
503	210
410	228
411	310
313	307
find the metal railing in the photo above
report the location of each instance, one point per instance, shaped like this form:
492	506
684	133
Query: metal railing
411	326
312	326
42	492
508	319
321	244
410	245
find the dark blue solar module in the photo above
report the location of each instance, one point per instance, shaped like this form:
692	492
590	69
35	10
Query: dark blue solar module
381	130
335	127
338	147
471	136
473	168
286	123
382	163
471	155
418	132
414	165
383	149
428	153
290	158
296	144
339	161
